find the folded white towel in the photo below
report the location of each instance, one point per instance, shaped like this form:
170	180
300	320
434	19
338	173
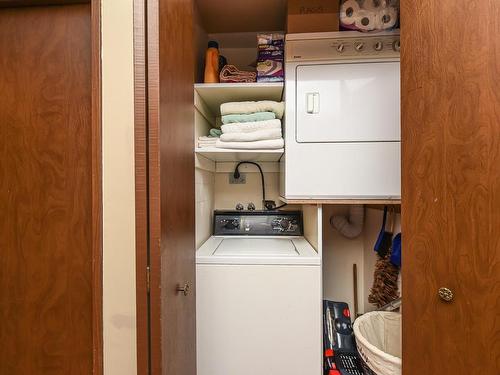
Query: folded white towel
248	127
258	135
207	139
205	145
235	108
269	144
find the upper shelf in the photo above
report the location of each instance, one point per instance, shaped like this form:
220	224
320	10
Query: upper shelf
226	155
214	94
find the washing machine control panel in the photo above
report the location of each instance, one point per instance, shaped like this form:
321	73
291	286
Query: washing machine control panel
258	223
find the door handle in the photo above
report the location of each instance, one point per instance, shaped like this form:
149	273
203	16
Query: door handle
312	100
184	289
445	294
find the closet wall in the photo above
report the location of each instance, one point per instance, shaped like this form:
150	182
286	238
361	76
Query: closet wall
340	253
204	172
238	43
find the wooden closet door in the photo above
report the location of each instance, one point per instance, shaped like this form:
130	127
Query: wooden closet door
171	186
46	192
450	64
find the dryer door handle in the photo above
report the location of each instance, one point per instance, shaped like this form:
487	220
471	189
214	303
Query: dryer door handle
312	99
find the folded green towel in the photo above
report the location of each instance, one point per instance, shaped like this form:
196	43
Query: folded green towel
252	117
215	132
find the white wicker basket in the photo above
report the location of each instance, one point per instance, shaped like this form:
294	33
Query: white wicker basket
378	337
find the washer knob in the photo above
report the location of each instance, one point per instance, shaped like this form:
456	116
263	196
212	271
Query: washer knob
232	224
340	47
285	223
359	46
396	45
379	46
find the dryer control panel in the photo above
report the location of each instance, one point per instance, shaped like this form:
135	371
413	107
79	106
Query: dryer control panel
258	223
344	47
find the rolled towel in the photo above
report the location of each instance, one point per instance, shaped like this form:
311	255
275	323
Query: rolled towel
252	117
248	127
214	132
269	144
234	108
259	135
231	74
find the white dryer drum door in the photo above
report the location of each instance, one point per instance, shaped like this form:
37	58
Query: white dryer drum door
348	102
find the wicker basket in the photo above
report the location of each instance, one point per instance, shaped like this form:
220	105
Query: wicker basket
378	338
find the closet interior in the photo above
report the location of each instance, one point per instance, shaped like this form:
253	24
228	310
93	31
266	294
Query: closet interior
346	265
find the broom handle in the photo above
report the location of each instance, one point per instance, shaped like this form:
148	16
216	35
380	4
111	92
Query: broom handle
355	288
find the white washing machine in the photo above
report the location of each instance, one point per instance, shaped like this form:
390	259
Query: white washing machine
342	119
258	299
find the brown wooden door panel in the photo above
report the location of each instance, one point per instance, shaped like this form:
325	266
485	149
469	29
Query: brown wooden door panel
46	191
171	185
451	186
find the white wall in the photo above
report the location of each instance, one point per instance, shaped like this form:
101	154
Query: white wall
340	253
119	303
205	185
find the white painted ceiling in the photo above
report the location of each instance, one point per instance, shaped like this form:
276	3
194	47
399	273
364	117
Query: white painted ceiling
222	16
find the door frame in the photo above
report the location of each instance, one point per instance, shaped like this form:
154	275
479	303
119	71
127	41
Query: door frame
142	209
147	180
97	223
96	165
148	152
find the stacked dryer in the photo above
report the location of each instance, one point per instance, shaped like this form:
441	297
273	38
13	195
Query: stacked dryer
342	125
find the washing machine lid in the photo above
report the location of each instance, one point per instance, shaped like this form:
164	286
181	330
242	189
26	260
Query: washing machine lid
264	250
260	247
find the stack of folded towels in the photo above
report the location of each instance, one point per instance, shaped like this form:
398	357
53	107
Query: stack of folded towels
210	139
251	125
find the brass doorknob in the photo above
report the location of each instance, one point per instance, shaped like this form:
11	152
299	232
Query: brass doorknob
445	294
183	289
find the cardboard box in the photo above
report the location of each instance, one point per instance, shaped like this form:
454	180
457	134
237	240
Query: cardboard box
309	16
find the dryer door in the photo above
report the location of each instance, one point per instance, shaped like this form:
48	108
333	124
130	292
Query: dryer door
348	102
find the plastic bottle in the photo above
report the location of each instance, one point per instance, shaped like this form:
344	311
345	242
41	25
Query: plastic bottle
212	63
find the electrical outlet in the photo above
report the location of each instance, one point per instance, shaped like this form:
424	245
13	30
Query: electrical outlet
269	205
241	180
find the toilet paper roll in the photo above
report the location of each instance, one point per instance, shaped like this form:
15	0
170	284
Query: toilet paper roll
386	18
371	5
348	12
365	20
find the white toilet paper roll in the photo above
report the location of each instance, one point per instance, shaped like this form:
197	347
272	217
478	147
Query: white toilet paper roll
348	11
365	20
371	5
386	18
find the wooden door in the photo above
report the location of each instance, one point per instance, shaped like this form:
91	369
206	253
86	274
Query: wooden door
450	64
171	186
49	193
